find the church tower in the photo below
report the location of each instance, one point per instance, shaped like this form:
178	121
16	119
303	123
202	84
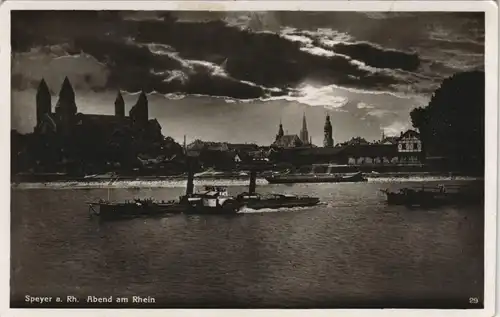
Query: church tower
119	106
66	107
304	134
280	132
328	141
139	112
43	102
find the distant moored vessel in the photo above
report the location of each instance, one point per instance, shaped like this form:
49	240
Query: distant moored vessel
327	176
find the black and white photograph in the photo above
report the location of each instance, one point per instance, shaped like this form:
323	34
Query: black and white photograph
223	157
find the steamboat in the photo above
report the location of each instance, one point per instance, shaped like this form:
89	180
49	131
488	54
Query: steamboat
213	200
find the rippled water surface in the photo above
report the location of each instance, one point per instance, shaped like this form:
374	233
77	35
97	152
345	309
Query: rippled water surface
351	251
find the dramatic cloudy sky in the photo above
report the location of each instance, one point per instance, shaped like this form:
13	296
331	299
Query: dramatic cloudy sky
232	76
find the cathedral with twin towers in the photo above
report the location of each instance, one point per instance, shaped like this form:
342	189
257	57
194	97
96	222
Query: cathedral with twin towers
67	123
303	139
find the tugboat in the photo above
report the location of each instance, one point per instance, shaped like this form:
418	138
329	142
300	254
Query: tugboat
257	201
214	200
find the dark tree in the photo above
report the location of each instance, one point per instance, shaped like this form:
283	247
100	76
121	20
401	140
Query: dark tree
452	124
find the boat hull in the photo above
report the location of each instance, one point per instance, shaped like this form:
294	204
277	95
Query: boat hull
431	198
279	203
129	210
417	199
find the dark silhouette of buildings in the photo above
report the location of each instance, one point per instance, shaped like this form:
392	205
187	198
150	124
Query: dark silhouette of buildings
67	122
67	137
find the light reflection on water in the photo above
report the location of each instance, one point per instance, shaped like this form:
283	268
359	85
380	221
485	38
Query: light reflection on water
352	247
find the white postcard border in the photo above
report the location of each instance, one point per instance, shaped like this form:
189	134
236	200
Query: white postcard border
491	135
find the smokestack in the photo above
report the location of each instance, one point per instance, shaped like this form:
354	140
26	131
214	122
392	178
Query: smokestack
190	180
184	145
253	180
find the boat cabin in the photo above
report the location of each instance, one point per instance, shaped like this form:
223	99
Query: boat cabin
210	190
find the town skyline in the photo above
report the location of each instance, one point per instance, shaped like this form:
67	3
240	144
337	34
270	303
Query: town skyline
303	135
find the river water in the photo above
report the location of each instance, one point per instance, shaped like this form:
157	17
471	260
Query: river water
351	251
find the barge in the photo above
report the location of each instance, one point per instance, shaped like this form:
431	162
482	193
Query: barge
433	196
316	178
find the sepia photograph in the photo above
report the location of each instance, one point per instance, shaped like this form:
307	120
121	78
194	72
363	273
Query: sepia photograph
231	158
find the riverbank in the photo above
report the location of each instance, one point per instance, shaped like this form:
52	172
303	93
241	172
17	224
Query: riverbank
181	183
239	175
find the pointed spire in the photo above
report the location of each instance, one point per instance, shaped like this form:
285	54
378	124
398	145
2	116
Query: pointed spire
304	134
43	93
43	101
280	131
119	105
67	91
43	88
66	104
143	99
139	111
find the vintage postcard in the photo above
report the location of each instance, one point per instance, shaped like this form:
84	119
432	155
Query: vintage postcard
251	155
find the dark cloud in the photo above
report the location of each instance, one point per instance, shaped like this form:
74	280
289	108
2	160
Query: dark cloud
379	57
253	62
